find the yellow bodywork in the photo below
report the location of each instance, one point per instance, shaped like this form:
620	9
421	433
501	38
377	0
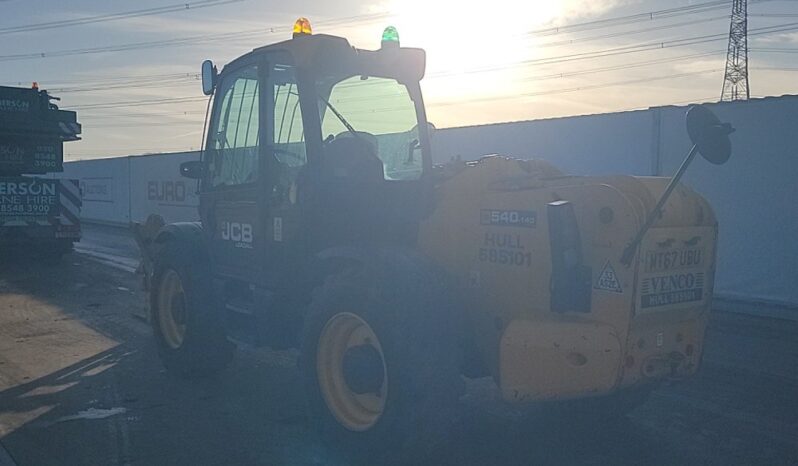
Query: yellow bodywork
646	321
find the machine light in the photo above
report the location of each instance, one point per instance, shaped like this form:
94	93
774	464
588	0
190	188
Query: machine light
390	37
302	27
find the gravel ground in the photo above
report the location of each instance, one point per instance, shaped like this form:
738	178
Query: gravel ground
80	384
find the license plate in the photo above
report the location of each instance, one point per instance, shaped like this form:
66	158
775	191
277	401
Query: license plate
673	259
674	269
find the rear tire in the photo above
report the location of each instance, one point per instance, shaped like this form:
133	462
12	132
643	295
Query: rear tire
379	364
188	326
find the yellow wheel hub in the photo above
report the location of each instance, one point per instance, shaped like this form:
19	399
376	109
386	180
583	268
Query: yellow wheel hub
172	309
351	370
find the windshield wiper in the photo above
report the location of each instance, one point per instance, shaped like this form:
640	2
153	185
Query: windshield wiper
340	117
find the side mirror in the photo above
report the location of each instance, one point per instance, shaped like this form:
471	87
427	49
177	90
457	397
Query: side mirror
192	169
710	136
208	77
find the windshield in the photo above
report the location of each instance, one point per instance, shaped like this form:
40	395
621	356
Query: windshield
380	110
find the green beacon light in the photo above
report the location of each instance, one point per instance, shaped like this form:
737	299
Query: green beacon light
390	38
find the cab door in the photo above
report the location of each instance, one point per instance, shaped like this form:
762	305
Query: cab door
285	156
234	177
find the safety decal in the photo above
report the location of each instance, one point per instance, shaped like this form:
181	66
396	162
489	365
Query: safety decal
608	280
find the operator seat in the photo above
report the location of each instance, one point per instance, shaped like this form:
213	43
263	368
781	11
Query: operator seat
352	159
349	207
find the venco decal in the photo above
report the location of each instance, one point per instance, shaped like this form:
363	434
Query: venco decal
672	289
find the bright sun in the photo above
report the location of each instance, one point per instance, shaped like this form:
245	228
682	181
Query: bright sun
459	36
462	35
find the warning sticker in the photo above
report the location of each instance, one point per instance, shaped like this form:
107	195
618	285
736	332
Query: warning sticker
608	280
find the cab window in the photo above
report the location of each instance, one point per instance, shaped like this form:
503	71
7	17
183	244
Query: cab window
380	110
235	130
288	145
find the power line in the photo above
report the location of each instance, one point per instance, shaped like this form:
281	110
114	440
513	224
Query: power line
94	80
576	89
115	16
249	33
195	76
549	60
621	67
660	14
773	15
138	103
773	50
773	68
627	19
191	78
139	151
140	124
778	28
142	115
237	35
628	49
140	85
637	17
627	33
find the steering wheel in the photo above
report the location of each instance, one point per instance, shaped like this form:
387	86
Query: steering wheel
362	135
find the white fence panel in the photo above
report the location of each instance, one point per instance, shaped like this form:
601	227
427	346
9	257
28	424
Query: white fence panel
754	195
104	186
156	187
586	145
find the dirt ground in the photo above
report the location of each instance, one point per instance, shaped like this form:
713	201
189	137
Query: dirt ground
80	384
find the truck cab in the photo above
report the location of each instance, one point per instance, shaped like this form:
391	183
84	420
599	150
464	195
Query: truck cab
38	215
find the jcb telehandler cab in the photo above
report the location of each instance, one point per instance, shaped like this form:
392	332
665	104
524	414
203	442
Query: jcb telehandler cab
325	226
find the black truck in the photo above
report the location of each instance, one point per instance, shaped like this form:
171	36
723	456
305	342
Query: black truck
38	213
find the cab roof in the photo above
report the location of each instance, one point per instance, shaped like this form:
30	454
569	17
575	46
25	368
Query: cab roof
328	52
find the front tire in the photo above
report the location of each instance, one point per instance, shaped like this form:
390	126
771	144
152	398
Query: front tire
380	367
188	326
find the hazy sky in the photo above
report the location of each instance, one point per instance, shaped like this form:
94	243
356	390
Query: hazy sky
498	60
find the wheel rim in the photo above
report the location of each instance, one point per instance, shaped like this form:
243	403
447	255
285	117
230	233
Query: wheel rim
172	309
344	334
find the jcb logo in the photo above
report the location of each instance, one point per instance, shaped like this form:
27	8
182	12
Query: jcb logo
239	233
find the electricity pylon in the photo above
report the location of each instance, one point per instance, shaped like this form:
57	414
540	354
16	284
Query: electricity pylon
735	80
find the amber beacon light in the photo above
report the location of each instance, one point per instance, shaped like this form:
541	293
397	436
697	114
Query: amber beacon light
302	27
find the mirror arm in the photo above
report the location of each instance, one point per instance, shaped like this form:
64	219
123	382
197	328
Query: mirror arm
629	252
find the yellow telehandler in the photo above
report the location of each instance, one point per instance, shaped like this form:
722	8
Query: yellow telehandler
326	226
